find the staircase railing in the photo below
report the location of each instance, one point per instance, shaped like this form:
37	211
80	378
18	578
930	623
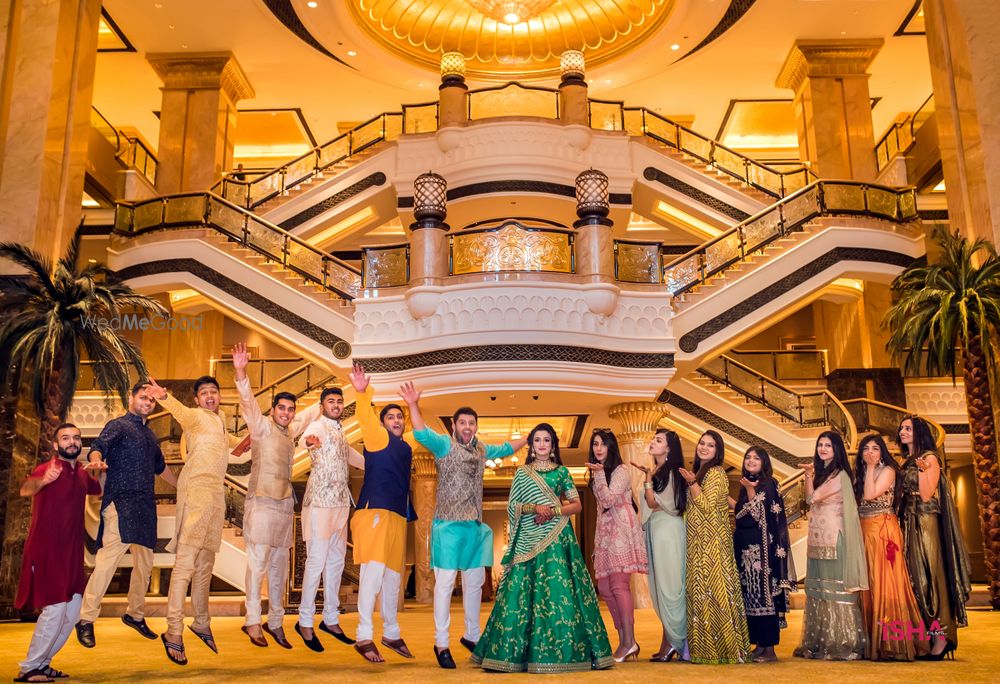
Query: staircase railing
204	210
642	122
793	491
252	193
784	364
261	371
875	416
902	134
805	409
822	198
301	381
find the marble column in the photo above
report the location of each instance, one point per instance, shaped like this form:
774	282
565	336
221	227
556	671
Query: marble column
833	105
424	486
197	117
638	420
428	254
48	52
964	53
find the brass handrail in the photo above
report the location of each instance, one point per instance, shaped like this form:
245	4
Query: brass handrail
861	409
901	135
798	407
639	121
821	198
200	209
253	193
773	355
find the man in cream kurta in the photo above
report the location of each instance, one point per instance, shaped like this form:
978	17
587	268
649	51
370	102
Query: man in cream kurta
201	510
325	509
269	512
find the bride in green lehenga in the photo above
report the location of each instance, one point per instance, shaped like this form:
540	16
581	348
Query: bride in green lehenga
546	618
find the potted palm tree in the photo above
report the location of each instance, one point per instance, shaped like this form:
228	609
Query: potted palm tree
948	305
50	316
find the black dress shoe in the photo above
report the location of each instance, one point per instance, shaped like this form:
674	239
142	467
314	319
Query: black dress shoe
313	644
139	625
471	645
444	658
279	637
85	634
339	636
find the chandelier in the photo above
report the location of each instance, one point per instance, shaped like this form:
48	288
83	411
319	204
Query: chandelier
511	11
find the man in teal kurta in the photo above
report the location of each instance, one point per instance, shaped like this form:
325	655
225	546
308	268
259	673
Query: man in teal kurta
460	541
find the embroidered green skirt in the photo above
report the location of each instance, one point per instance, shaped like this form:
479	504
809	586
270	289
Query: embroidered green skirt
546	618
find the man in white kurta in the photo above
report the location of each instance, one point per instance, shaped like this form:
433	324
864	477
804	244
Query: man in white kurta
325	509
269	512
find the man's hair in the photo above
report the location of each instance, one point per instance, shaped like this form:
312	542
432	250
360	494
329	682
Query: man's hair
327	391
464	411
282	395
387	408
64	426
205	380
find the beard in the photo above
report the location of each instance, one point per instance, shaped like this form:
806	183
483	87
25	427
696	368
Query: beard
70	454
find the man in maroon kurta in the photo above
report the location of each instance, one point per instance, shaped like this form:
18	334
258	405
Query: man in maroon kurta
52	577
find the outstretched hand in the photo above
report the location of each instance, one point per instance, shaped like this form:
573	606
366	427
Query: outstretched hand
688	476
638	466
241	357
157	391
358	378
409	393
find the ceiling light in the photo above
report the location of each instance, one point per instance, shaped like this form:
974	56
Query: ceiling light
184	46
511	12
158	5
675	46
312	5
607	80
352	53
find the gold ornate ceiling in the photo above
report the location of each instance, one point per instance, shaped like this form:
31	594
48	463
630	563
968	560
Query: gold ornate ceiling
421	30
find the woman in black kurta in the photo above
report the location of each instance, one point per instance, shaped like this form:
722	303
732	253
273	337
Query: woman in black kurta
762	552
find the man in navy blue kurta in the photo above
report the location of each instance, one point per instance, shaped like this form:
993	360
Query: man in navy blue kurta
128	451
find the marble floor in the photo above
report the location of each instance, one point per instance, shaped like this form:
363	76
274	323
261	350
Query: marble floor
122	656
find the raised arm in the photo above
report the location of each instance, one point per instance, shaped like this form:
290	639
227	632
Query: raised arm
374	434
186	416
411	396
435	442
252	414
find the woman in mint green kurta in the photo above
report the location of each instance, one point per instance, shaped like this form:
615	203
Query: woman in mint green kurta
546	618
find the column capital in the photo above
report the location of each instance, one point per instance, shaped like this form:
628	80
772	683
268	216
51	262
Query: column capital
811	58
202	71
423	465
638	419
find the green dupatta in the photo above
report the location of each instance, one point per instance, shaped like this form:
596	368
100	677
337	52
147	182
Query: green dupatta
528	539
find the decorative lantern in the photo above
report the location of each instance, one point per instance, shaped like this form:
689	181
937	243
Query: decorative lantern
452	68
571	66
592	197
430	201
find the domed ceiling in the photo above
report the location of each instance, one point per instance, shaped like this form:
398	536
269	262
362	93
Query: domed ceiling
509	39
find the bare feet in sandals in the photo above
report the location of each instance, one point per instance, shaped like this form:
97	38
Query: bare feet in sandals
369	651
397	645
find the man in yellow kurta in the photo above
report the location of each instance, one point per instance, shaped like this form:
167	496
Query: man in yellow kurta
201	510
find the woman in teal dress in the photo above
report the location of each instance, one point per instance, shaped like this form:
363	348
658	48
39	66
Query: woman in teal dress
546	618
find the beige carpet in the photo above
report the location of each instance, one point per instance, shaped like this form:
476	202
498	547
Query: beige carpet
122	656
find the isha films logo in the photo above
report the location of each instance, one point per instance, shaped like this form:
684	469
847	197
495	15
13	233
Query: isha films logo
143	322
900	630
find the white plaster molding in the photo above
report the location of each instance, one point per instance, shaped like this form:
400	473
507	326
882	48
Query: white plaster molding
938	399
587	315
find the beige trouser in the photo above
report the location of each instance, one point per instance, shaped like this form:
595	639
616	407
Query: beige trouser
193	565
105	565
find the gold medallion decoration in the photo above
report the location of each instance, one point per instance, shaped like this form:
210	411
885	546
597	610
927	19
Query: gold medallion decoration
512	248
512	39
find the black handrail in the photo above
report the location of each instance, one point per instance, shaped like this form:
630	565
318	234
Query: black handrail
333	274
782	218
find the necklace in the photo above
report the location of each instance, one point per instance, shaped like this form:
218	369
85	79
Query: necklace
543	466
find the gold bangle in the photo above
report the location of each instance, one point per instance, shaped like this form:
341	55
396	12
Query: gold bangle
647	485
557	510
528	508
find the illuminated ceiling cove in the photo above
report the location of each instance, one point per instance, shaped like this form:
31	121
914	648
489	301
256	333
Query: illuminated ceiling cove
513	39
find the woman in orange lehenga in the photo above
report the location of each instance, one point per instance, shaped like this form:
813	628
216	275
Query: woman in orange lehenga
892	617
